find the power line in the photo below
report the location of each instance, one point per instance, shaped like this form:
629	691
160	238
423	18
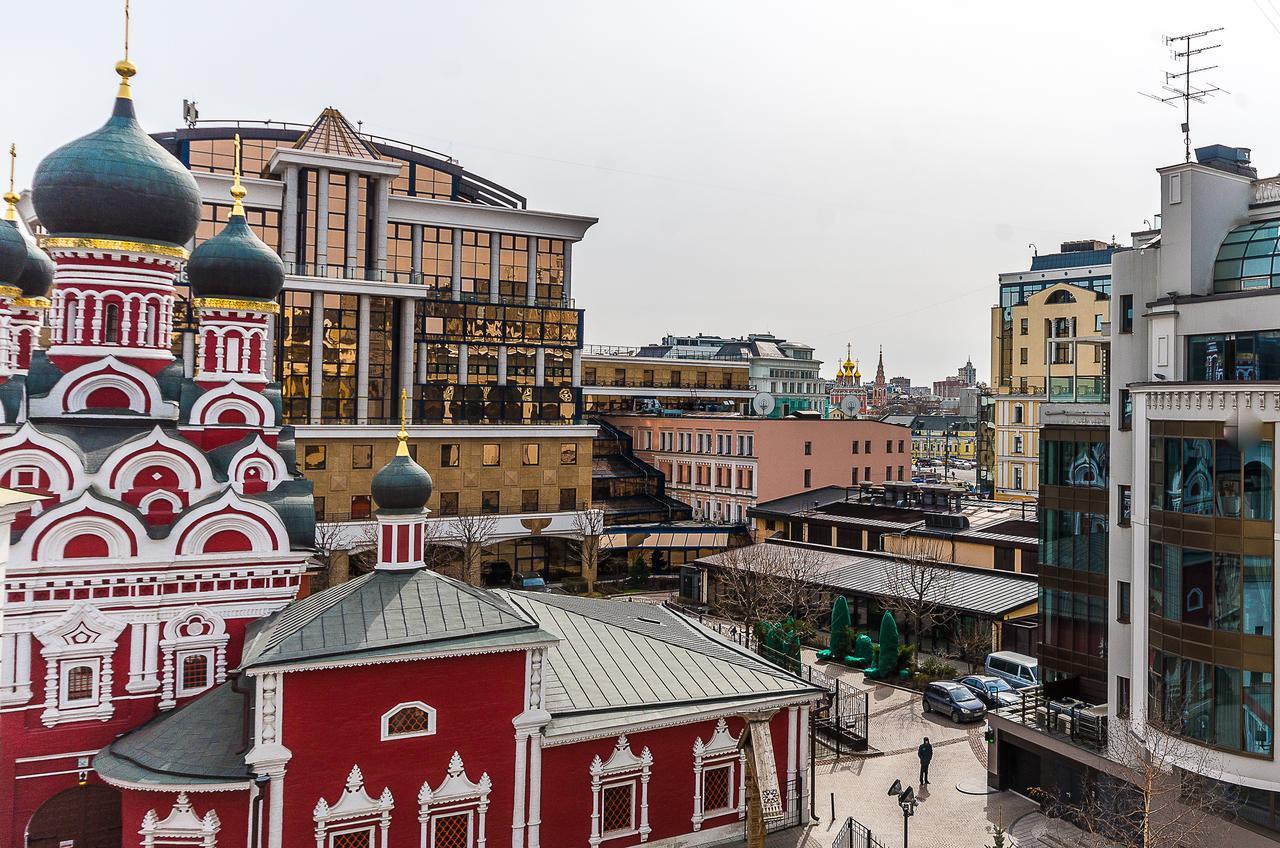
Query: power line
1188	92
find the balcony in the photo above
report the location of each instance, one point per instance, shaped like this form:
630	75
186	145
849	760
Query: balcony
408	278
1064	719
1079	389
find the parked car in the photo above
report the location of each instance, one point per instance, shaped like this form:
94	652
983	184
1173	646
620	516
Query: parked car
1018	670
949	697
993	691
529	581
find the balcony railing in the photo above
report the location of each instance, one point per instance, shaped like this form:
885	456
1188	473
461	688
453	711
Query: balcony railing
626	350
409	278
1079	389
605	383
1266	191
1081	724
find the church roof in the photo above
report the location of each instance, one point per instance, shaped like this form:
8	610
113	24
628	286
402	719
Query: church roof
201	744
389	612
621	662
332	133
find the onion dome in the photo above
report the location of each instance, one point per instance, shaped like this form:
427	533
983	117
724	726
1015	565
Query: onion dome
13	247
401	485
235	263
117	182
37	275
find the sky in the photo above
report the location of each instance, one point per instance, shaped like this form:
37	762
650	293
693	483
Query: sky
831	172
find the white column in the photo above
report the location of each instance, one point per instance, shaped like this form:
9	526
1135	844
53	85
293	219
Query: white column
502	365
22	663
406	347
535	790
362	360
275	812
532	285
322	222
806	789
381	188
495	240
462	364
517	810
269	348
792	752
353	215
455	268
188	354
137	645
317	355
151	660
289	216
577	366
539	366
8	647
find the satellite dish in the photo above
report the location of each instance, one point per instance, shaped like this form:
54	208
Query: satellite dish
762	403
850	406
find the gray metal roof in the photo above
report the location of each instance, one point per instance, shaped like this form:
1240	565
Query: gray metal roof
396	610
614	656
202	743
978	591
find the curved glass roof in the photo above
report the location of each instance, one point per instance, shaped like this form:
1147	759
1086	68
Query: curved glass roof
1248	259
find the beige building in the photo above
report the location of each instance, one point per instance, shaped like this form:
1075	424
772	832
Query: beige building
630	379
1050	344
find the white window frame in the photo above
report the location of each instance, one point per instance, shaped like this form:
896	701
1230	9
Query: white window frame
631	828
193	630
180	658
719	751
26	477
445	814
455	795
64	684
182	827
84	635
387	736
354	810
622	767
732	767
331	835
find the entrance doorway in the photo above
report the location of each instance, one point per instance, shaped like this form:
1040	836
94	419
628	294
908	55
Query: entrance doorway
83	817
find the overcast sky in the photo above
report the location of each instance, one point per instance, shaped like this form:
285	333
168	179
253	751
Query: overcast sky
828	171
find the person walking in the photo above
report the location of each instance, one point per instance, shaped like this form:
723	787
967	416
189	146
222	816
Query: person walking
925	753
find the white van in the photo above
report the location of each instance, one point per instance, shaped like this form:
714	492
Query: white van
1019	670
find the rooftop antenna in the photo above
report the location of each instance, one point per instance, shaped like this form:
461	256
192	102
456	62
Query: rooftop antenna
190	114
1035	251
1183	47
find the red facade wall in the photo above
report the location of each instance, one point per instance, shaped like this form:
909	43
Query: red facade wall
332	721
232	809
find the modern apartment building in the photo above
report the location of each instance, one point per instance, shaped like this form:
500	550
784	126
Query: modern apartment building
406	273
1049	344
722	465
651	379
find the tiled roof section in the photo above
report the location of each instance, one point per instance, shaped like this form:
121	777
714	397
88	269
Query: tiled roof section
615	656
385	610
202	743
332	133
980	591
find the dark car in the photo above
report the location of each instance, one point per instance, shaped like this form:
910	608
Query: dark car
953	699
993	691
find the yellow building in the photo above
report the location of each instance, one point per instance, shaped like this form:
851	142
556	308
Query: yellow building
1050	344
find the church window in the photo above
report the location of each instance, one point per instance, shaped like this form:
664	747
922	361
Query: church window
453	831
81	684
362	838
111	324
618	808
195	674
407	720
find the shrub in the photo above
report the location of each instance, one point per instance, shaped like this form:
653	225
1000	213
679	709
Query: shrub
638	573
935	669
839	644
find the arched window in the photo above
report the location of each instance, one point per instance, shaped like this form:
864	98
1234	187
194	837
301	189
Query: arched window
1061	296
111	324
407	720
68	329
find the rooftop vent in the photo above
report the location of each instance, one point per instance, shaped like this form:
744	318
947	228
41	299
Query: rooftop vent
945	521
1234	160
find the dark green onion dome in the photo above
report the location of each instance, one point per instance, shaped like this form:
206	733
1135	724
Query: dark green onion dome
117	182
401	485
13	253
235	263
37	275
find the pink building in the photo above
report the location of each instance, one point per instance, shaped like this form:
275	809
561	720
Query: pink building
723	464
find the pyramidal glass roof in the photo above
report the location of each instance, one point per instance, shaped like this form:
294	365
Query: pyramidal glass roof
1247	258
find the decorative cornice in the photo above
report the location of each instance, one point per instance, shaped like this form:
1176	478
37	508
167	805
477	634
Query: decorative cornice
175	787
32	302
10	292
70	243
358	660
268	306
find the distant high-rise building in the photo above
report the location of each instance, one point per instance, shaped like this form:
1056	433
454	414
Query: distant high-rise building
968	373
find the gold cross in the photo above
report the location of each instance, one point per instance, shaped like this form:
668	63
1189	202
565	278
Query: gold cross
403	448
11	196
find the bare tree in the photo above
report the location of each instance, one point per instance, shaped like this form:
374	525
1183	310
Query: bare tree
1154	795
766	581
336	544
473	532
919	585
972	644
588	543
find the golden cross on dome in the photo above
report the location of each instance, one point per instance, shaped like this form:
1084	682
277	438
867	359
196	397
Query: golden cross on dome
403	448
237	191
11	196
124	67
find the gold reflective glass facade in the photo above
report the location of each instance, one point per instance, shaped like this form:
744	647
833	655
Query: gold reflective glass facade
293	355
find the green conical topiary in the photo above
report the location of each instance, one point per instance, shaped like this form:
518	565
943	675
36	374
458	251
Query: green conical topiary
838	645
888	661
862	654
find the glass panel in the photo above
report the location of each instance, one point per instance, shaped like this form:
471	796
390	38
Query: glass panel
1257	595
1226	707
1257	482
1226	592
1173	475
1172	582
1196	700
1258	247
1205	359
1257	267
1227	501
1156	579
1197	586
1257	708
1197	476
1267	348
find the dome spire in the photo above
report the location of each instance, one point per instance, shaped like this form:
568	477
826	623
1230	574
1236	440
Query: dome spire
402	449
124	67
237	190
11	196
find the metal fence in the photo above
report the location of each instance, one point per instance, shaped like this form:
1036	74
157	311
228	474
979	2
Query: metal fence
855	834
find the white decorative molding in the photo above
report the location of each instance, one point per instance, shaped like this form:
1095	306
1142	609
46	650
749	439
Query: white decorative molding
83	636
354	809
256	455
252	405
456	795
120	470
46	539
257	521
181	827
721	750
622	767
194	630
430	729
70	394
29	447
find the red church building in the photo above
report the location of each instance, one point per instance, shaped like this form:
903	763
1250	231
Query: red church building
164	683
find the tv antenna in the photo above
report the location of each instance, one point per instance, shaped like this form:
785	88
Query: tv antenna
1178	84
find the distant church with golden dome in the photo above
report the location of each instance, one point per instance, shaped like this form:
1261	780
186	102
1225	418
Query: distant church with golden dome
847	397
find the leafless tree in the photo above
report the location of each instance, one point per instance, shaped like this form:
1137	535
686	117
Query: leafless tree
972	644
1153	796
919	585
588	542
768	581
336	544
473	532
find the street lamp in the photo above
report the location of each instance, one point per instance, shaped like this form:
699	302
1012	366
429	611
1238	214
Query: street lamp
907	801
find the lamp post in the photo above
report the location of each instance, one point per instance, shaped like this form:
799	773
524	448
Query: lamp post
907	801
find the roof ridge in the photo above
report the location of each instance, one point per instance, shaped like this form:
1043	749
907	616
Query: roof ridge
295	616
